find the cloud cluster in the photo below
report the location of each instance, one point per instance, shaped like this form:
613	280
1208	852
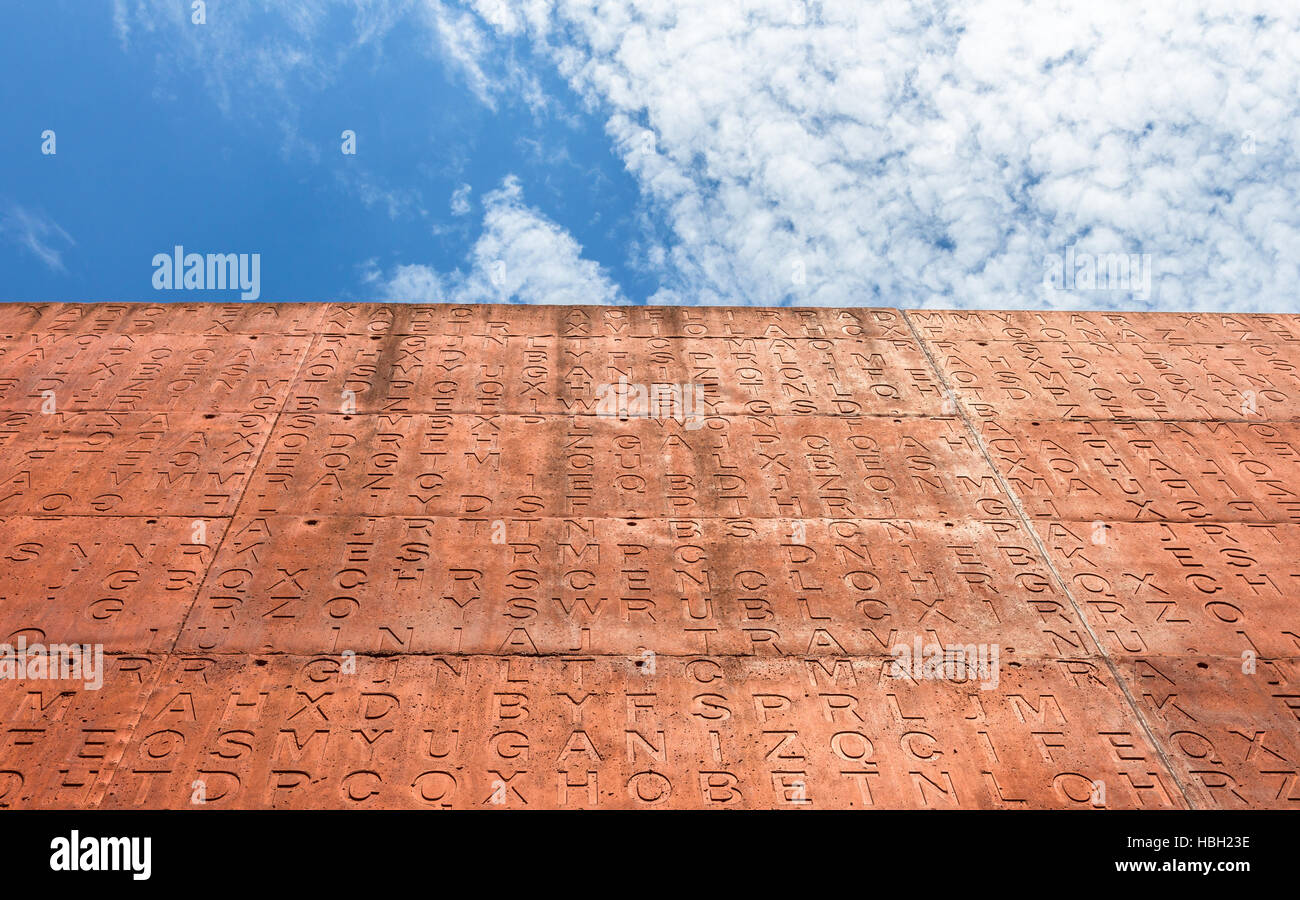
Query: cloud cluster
930	153
912	153
521	256
460	204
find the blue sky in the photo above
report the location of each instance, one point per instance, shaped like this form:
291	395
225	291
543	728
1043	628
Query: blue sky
731	151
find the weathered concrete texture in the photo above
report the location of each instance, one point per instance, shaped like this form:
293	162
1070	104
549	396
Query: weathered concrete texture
148	373
734	587
1178	471
488	466
350	555
128	463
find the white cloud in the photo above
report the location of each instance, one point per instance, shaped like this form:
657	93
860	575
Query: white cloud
465	44
921	152
470	47
521	256
930	153
460	205
36	233
406	283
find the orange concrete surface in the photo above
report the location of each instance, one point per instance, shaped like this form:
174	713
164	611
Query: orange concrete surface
508	557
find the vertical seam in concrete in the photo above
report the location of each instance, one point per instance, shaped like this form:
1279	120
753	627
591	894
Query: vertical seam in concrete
166	655
239	501
1028	525
146	693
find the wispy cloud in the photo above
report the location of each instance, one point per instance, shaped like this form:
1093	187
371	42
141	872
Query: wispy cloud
255	56
37	233
489	65
373	192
